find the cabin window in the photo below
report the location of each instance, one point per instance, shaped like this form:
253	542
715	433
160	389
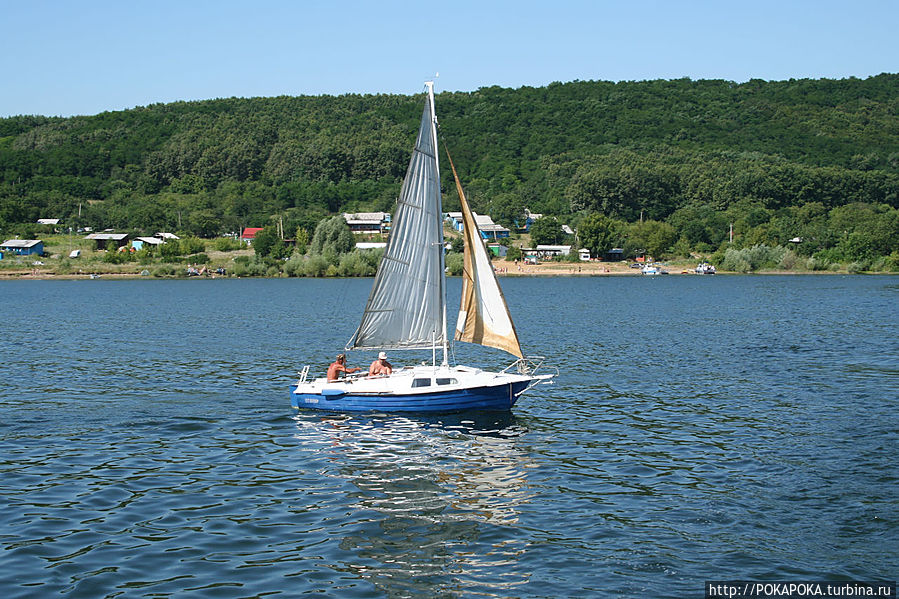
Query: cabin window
421	383
447	381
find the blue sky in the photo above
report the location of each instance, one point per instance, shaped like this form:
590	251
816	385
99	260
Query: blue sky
68	57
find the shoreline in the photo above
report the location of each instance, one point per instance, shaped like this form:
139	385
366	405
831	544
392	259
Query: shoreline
503	269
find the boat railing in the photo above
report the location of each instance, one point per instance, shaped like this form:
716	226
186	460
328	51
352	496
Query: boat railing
529	366
304	374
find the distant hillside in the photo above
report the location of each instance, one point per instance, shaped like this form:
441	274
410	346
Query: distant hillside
624	150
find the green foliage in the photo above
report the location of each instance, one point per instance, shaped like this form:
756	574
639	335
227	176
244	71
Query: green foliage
654	237
302	240
513	253
226	244
332	237
547	231
814	159
268	244
599	233
454	263
754	258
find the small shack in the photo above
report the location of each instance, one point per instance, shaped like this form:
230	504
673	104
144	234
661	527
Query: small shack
139	242
23	247
551	251
614	255
106	240
498	249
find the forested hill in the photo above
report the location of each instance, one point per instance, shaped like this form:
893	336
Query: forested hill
655	148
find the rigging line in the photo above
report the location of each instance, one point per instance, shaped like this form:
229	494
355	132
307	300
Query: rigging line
428	154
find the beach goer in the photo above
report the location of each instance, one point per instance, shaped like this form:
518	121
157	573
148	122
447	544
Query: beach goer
380	366
338	366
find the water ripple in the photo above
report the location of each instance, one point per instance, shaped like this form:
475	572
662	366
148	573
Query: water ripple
755	439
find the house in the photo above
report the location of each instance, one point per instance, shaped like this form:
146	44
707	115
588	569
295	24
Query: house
103	240
368	223
489	229
550	251
454	219
584	254
371	245
23	247
140	242
529	218
497	249
249	234
486	226
167	236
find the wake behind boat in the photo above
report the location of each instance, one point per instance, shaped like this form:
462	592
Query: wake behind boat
406	310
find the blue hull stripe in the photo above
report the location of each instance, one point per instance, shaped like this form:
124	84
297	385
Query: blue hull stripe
500	397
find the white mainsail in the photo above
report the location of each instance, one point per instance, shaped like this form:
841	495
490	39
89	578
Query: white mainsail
484	317
406	308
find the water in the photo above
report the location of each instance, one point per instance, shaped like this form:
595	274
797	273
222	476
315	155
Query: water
703	428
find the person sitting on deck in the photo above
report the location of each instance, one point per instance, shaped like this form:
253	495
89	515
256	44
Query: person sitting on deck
338	366
380	366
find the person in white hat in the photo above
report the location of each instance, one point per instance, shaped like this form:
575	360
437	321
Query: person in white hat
380	366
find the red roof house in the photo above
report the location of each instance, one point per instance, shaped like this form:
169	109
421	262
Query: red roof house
249	234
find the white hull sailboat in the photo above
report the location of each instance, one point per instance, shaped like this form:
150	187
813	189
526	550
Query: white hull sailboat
406	310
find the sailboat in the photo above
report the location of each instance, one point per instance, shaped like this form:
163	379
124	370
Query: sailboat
406	310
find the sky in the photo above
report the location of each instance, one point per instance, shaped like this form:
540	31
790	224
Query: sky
84	57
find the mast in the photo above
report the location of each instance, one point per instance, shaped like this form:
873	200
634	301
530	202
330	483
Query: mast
430	86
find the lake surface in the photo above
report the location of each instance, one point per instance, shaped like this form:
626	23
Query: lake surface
703	428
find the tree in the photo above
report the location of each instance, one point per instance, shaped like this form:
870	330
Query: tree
507	209
547	231
654	237
302	240
599	233
332	236
268	243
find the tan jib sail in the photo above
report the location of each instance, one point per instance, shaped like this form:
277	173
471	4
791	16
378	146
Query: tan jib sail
483	316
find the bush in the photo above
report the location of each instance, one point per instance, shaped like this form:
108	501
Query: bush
454	263
315	266
789	260
814	263
514	253
192	245
164	270
736	260
65	266
226	244
754	258
857	267
116	257
198	259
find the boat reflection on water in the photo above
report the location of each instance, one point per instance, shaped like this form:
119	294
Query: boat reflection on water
437	498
